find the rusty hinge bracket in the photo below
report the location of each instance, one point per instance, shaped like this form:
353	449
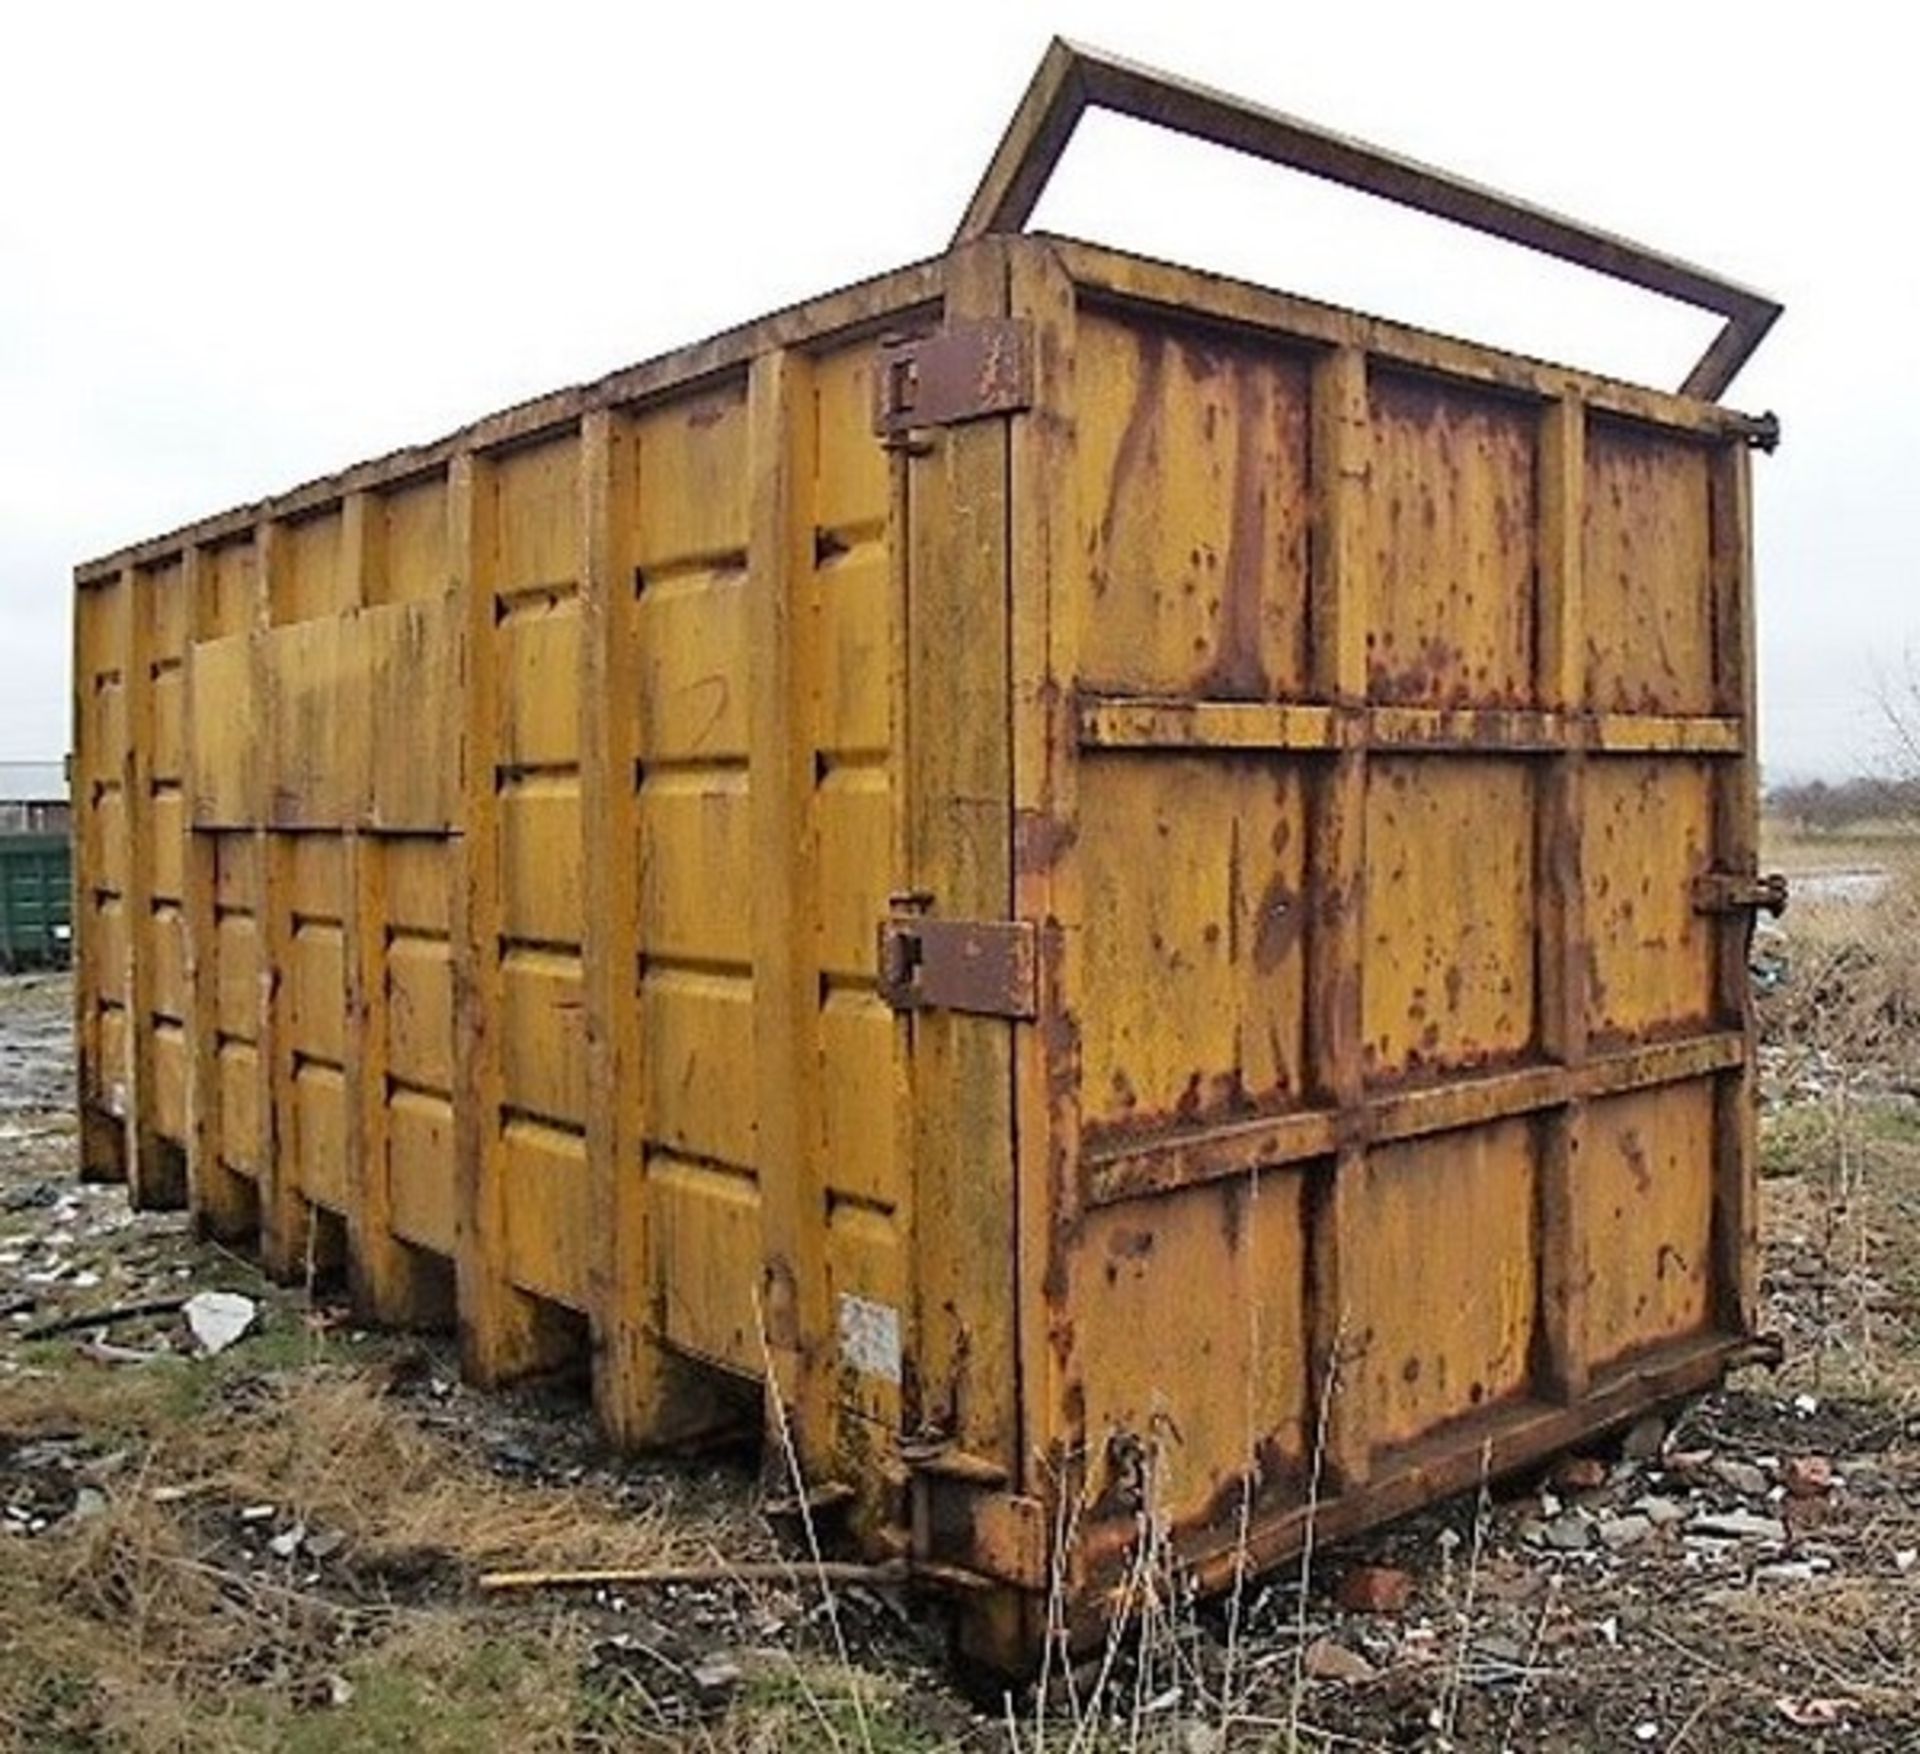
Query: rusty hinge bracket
1729	892
823	1498
969	1529
986	967
966	371
937	1456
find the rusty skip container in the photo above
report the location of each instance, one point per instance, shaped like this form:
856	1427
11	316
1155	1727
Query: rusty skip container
1130	891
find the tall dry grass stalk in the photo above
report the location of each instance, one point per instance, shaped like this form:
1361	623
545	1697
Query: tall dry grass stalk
797	1484
1329	1387
1463	1641
1248	1477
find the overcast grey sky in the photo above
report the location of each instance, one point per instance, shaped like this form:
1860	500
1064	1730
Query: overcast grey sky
241	246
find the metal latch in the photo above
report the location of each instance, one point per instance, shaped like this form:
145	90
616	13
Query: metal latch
1730	892
986	967
966	371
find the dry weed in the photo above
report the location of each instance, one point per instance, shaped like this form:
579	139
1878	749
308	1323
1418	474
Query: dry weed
149	1626
337	1452
1841	989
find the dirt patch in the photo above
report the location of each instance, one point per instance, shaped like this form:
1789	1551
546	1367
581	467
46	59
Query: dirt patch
36	1044
280	1546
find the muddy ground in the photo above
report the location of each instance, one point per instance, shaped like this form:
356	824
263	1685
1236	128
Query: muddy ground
280	1546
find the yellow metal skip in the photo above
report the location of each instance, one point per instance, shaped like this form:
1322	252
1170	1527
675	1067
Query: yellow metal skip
1127	890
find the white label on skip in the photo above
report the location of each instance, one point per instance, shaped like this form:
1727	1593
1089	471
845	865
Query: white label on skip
870	1337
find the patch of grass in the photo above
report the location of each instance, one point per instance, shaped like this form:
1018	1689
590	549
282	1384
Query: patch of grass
811	1707
1843	1211
1893	1122
441	1686
1802	1138
44	1705
162	1623
60	1385
1787	846
283	1342
1796	1139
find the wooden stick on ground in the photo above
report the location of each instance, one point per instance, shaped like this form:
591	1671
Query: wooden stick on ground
101	1318
777	1571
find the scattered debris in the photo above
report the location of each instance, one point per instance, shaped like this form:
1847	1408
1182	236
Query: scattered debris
181	1493
219	1318
1580	1473
1571	1533
1644	1439
1617	1532
1807	1476
1811	1714
1324	1660
104	1318
1738	1525
716	1677
798	1571
325	1543
29	1196
1374	1589
1742	1477
1741	1573
88	1503
106	1352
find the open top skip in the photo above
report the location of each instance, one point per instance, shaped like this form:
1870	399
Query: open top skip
1130	890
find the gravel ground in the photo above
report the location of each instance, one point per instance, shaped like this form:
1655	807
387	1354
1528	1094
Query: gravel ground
1744	1575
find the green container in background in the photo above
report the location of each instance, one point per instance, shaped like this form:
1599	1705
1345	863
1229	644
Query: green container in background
36	900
